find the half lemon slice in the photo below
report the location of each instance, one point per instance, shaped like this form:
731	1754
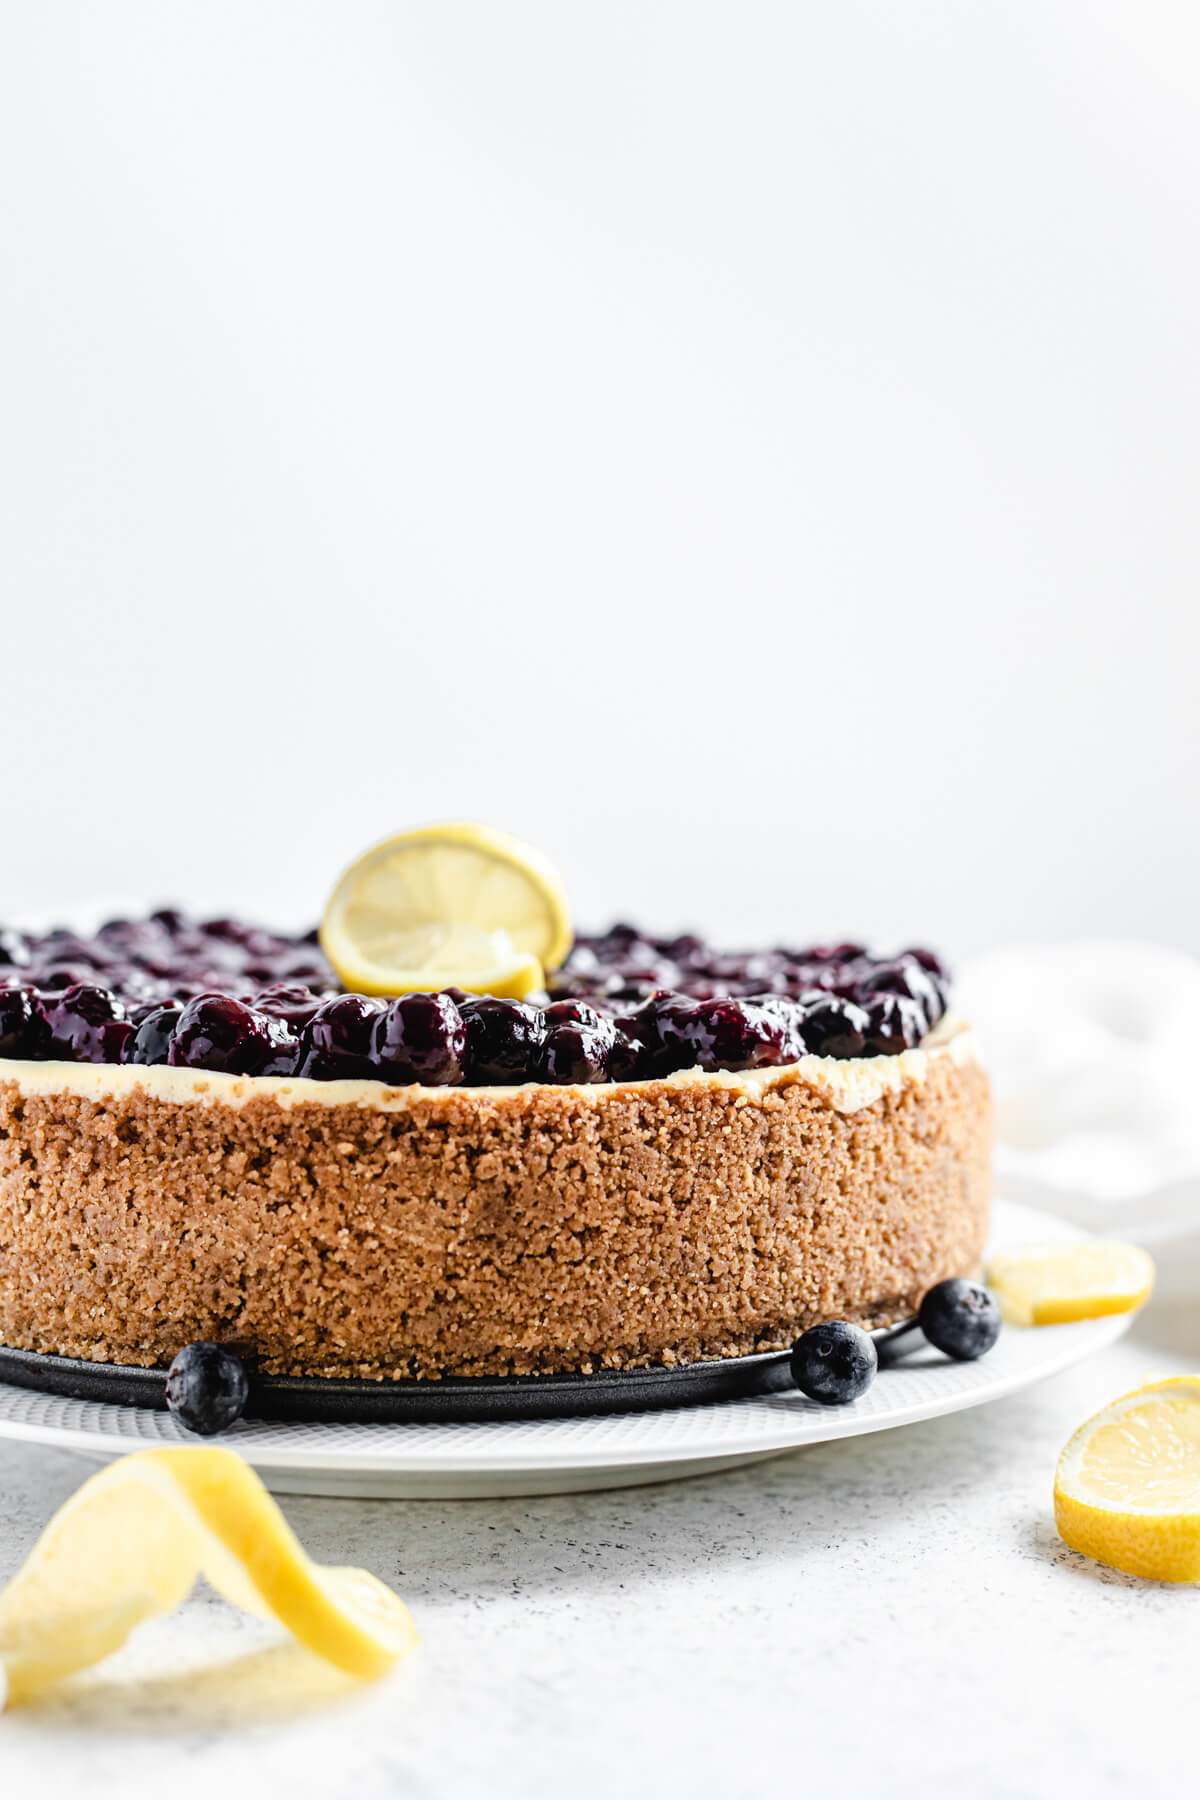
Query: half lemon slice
1127	1490
130	1543
447	906
1054	1284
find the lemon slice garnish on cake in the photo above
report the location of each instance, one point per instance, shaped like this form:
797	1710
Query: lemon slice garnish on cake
447	906
1127	1490
130	1543
1054	1284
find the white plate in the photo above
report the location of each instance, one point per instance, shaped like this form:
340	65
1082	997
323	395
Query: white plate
550	1456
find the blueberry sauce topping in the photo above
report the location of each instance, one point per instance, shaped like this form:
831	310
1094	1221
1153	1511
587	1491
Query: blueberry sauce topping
228	996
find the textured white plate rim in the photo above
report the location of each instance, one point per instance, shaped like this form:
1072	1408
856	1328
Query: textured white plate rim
820	1425
676	1435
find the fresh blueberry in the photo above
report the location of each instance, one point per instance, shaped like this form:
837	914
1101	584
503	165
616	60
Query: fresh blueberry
504	1040
207	1388
834	1362
960	1318
420	1037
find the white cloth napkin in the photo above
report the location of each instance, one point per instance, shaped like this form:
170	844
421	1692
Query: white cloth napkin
1094	1052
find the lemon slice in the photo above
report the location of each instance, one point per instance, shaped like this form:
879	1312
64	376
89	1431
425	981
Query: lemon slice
1127	1491
130	1543
1055	1283
447	906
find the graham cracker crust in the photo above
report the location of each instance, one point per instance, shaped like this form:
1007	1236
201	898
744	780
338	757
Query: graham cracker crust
477	1231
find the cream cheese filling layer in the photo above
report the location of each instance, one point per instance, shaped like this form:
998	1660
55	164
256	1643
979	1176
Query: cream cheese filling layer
847	1085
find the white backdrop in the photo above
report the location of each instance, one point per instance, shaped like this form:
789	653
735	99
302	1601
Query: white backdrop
751	450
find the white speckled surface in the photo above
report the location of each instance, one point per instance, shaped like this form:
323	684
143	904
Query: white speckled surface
890	1615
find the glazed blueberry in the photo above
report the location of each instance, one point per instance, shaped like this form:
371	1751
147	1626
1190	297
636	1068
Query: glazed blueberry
56	978
284	1055
135	985
14	948
724	1034
834	1362
207	1388
834	953
298	965
895	1023
960	1318
746	1034
504	1040
620	934
83	1024
336	1044
216	1032
835	1027
151	1040
781	1027
129	935
664	1030
931	963
569	1012
804	978
685	948
904	978
291	1001
578	1045
62	946
627	1059
170	919
22	1028
138	1011
233	931
420	1037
